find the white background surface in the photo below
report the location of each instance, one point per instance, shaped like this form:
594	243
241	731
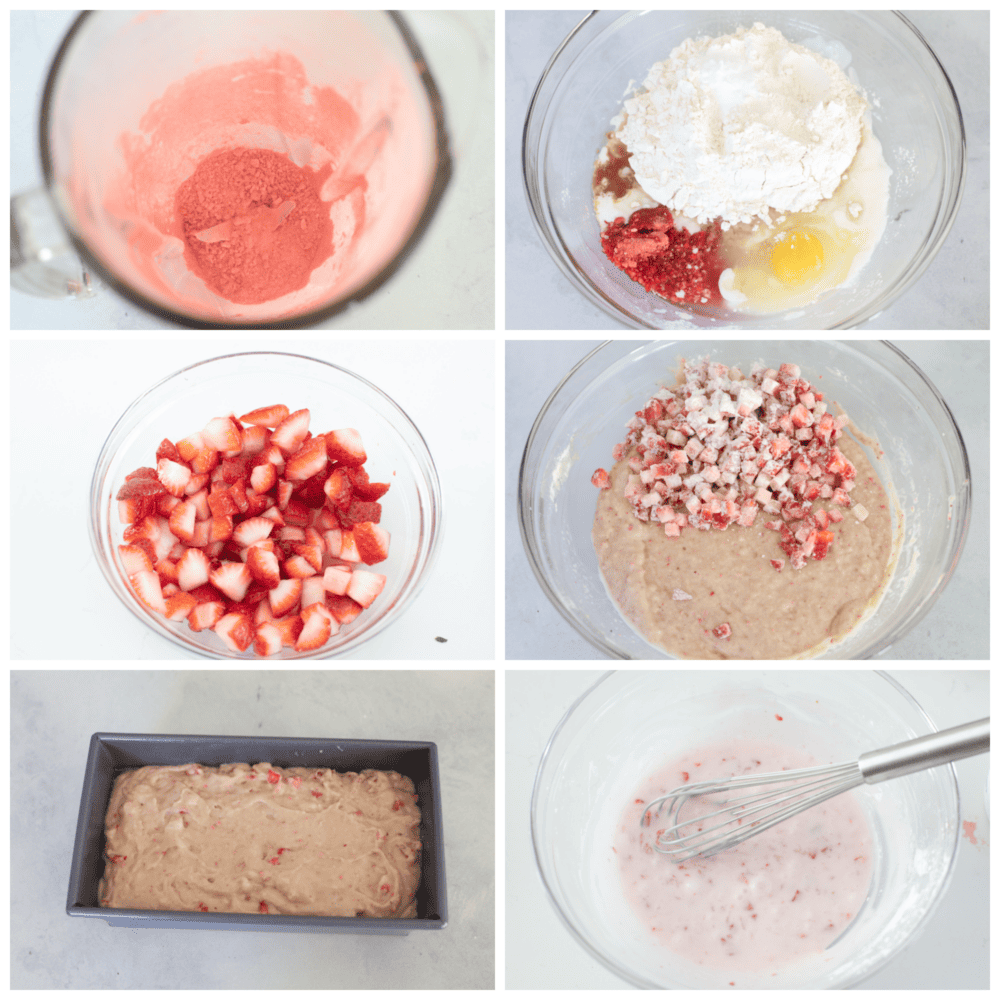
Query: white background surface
953	293
66	397
54	714
952	952
447	283
956	627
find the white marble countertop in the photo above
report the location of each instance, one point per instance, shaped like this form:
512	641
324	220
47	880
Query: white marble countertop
954	291
54	713
956	627
951	953
80	412
446	283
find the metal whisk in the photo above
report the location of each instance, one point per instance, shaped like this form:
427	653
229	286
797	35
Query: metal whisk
773	798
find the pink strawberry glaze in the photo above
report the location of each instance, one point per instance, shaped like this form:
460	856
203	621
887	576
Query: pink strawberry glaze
787	893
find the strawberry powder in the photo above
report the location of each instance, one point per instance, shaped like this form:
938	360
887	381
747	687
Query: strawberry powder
275	225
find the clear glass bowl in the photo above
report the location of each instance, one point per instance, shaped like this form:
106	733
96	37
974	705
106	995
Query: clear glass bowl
184	402
917	120
632	721
923	457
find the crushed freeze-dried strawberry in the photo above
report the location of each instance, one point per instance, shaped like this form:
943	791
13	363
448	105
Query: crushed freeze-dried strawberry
723	631
722	448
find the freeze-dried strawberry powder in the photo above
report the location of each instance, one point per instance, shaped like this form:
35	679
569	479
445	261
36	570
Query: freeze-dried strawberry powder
272	227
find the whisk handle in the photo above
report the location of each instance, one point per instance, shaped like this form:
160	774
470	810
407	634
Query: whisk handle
926	751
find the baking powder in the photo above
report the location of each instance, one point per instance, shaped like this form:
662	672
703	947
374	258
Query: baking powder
740	125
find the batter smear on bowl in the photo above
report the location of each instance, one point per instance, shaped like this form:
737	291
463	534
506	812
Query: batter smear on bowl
740	521
743	174
785	894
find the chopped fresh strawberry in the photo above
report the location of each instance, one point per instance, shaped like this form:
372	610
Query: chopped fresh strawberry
344	446
336	579
291	432
263	477
290	628
135	558
307	461
204	460
252	530
192	569
317	625
338	489
313	591
173	475
365	586
223	434
298	567
206	615
169	450
310	492
371	491
179	606
263	566
312	553
182	520
343	608
358	511
236	631
232	578
372	542
266	416
285	596
267	639
255	440
349	547
146	585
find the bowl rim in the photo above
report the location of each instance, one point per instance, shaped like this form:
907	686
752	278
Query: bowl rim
438	182
963	507
636	981
426	555
549	233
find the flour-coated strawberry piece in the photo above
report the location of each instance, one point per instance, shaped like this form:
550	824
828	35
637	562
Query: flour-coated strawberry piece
266	416
308	460
285	596
192	569
252	530
223	434
345	446
182	520
317	626
146	585
232	578
267	639
291	432
236	631
365	586
372	542
206	614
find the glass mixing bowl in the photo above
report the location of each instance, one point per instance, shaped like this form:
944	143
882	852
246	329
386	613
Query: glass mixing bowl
916	118
631	722
922	457
185	401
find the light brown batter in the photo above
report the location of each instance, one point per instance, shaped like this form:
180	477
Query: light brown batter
773	615
262	839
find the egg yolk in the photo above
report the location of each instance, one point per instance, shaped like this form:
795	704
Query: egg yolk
797	257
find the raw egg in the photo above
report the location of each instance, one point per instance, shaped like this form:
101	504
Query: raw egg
797	257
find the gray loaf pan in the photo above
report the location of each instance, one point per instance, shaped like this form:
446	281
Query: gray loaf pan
112	753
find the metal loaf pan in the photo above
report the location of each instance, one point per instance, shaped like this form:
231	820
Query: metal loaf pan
112	753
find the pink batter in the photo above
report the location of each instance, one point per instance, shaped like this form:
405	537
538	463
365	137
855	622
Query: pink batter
790	891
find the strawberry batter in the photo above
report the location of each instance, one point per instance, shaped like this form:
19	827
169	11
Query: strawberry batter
789	892
262	839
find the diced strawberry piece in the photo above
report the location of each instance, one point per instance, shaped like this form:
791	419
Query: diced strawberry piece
343	608
266	416
146	585
192	569
307	461
267	639
821	543
238	495
336	579
179	606
297	513
135	559
290	628
349	547
313	554
358	511
236	631
263	566
232	578
252	530
601	479
371	491
313	591
223	434
182	520
345	446
173	475
138	497
166	570
317	625
310	492
338	489
255	440
190	446
284	494
221	504
285	596
206	615
365	586
263	477
332	540
372	542
298	567
723	631
204	460
143	472
168	449
291	432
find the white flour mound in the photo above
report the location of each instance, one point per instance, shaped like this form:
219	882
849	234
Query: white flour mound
739	125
